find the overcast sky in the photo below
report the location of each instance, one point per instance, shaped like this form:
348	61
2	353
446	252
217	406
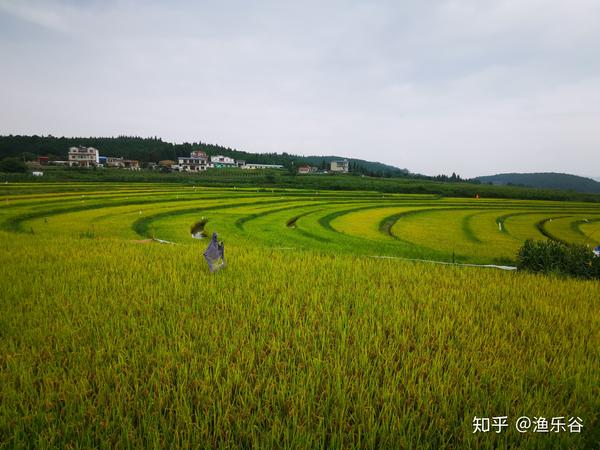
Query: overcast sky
475	87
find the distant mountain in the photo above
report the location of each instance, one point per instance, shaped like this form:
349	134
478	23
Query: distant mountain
546	180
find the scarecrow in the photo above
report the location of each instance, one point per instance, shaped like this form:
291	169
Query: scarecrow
215	254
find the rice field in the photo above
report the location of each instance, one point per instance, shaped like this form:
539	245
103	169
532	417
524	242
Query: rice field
318	333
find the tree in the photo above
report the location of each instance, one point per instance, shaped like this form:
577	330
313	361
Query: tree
28	156
291	168
13	165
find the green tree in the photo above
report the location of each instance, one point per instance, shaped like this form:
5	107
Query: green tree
13	165
28	156
291	168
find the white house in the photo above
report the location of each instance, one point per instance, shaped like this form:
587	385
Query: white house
222	161
196	162
252	166
340	166
83	156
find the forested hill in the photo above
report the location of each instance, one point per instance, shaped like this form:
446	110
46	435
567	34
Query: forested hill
155	149
548	180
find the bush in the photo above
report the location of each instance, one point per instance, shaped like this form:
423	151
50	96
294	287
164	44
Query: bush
197	230
12	165
557	257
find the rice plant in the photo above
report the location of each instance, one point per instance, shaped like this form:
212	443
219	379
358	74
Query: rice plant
305	341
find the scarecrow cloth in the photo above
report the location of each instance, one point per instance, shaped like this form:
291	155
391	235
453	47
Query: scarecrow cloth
215	254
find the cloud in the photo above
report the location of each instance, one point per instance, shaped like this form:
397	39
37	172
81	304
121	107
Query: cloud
46	17
466	86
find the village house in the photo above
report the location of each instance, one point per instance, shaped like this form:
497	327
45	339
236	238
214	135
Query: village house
113	161
83	157
119	162
220	161
196	162
131	164
307	169
253	166
340	166
166	165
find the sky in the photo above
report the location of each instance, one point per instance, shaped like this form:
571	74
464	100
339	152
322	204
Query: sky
475	87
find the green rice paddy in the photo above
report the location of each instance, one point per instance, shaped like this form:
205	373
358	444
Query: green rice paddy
318	333
361	223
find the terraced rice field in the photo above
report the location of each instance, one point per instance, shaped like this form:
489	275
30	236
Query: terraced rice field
318	333
413	226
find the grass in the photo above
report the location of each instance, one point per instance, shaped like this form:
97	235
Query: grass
109	342
276	179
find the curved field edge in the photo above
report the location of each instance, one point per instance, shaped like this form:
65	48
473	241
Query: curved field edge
263	211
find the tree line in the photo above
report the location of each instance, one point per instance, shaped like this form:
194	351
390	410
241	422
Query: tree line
154	149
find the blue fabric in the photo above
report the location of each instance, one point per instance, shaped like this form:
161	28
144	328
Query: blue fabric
215	254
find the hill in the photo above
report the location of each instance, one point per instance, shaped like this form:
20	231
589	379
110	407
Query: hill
155	149
546	180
